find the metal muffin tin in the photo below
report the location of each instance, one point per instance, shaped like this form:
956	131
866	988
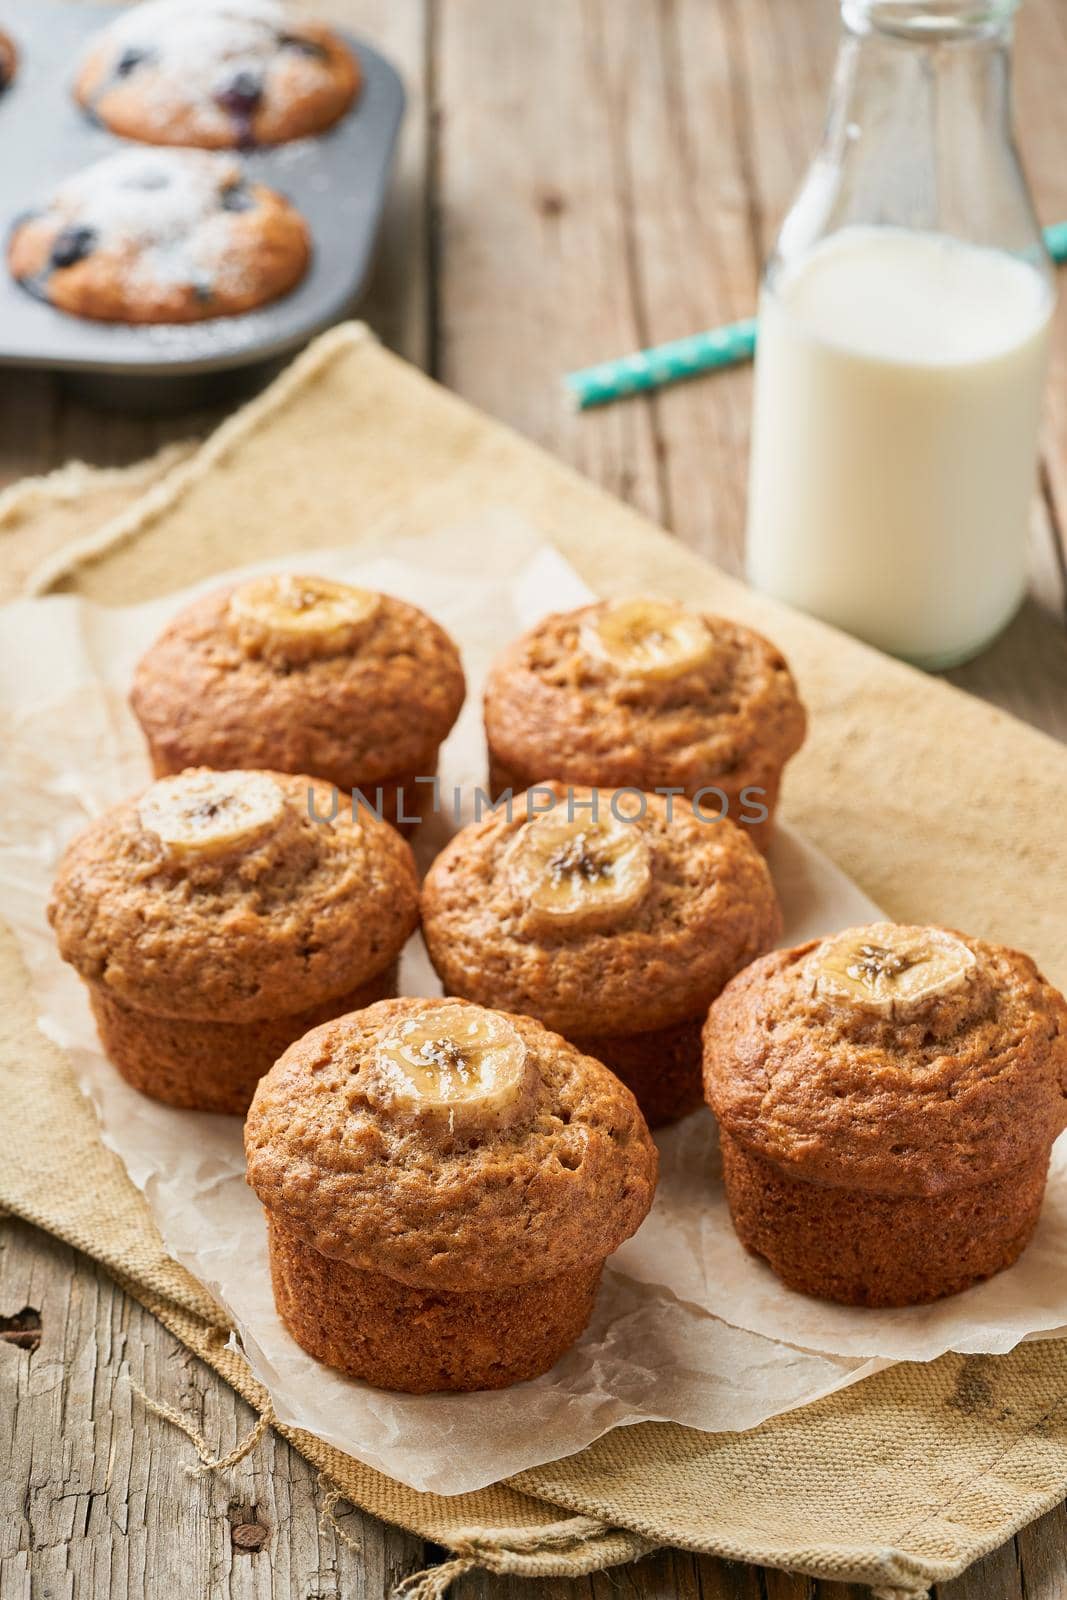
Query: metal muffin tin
337	180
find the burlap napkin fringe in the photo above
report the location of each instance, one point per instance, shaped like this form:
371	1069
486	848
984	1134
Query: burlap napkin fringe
207	1462
223	442
41	517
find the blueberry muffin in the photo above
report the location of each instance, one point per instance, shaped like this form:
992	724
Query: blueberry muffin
160	236
442	1186
615	927
9	60
216	74
301	674
214	921
645	694
887	1099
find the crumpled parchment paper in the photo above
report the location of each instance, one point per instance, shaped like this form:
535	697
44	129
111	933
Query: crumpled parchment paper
688	1327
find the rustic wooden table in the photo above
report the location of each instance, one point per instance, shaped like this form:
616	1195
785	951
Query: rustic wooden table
578	178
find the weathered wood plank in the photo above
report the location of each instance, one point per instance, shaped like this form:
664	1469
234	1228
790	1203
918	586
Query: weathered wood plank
95	1503
1042	1552
1041	61
535	255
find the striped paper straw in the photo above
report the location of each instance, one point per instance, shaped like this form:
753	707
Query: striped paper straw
701	352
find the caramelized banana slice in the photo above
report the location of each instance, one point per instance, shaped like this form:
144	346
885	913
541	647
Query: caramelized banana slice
200	814
456	1067
297	618
891	969
579	874
647	638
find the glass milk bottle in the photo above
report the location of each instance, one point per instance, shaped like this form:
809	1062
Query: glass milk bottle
902	339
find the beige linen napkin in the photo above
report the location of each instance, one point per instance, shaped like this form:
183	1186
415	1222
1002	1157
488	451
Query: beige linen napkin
939	807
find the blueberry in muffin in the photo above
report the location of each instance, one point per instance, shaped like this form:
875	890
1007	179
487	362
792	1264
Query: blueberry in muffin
157	236
216	74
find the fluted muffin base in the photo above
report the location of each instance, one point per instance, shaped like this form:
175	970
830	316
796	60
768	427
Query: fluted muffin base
865	1249
419	1341
211	1066
662	1068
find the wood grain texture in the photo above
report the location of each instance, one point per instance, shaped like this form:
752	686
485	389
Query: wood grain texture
576	178
96	1500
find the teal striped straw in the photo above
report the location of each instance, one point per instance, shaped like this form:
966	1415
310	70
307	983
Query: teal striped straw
701	352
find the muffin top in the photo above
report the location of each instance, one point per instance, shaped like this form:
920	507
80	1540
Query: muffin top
621	922
894	1059
216	73
645	692
157	236
449	1147
217	896
300	674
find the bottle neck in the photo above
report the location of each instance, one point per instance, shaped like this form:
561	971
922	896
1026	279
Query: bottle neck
918	133
930	21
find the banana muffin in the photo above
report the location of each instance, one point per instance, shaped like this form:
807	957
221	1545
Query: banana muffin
442	1186
301	674
887	1100
645	694
214	922
616	927
149	236
217	74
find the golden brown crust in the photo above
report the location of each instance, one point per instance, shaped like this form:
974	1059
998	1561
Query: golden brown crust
211	1066
661	1069
355	719
864	1249
292	921
554	711
548	1195
421	1341
232	260
973	1086
710	909
305	83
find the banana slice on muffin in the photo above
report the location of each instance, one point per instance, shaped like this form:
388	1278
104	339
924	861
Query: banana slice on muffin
646	694
891	970
648	638
219	916
298	673
887	1102
443	1185
615	927
296	619
455	1066
579	874
200	815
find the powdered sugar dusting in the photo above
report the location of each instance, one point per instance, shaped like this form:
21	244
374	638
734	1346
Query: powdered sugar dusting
197	48
161	210
195	36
